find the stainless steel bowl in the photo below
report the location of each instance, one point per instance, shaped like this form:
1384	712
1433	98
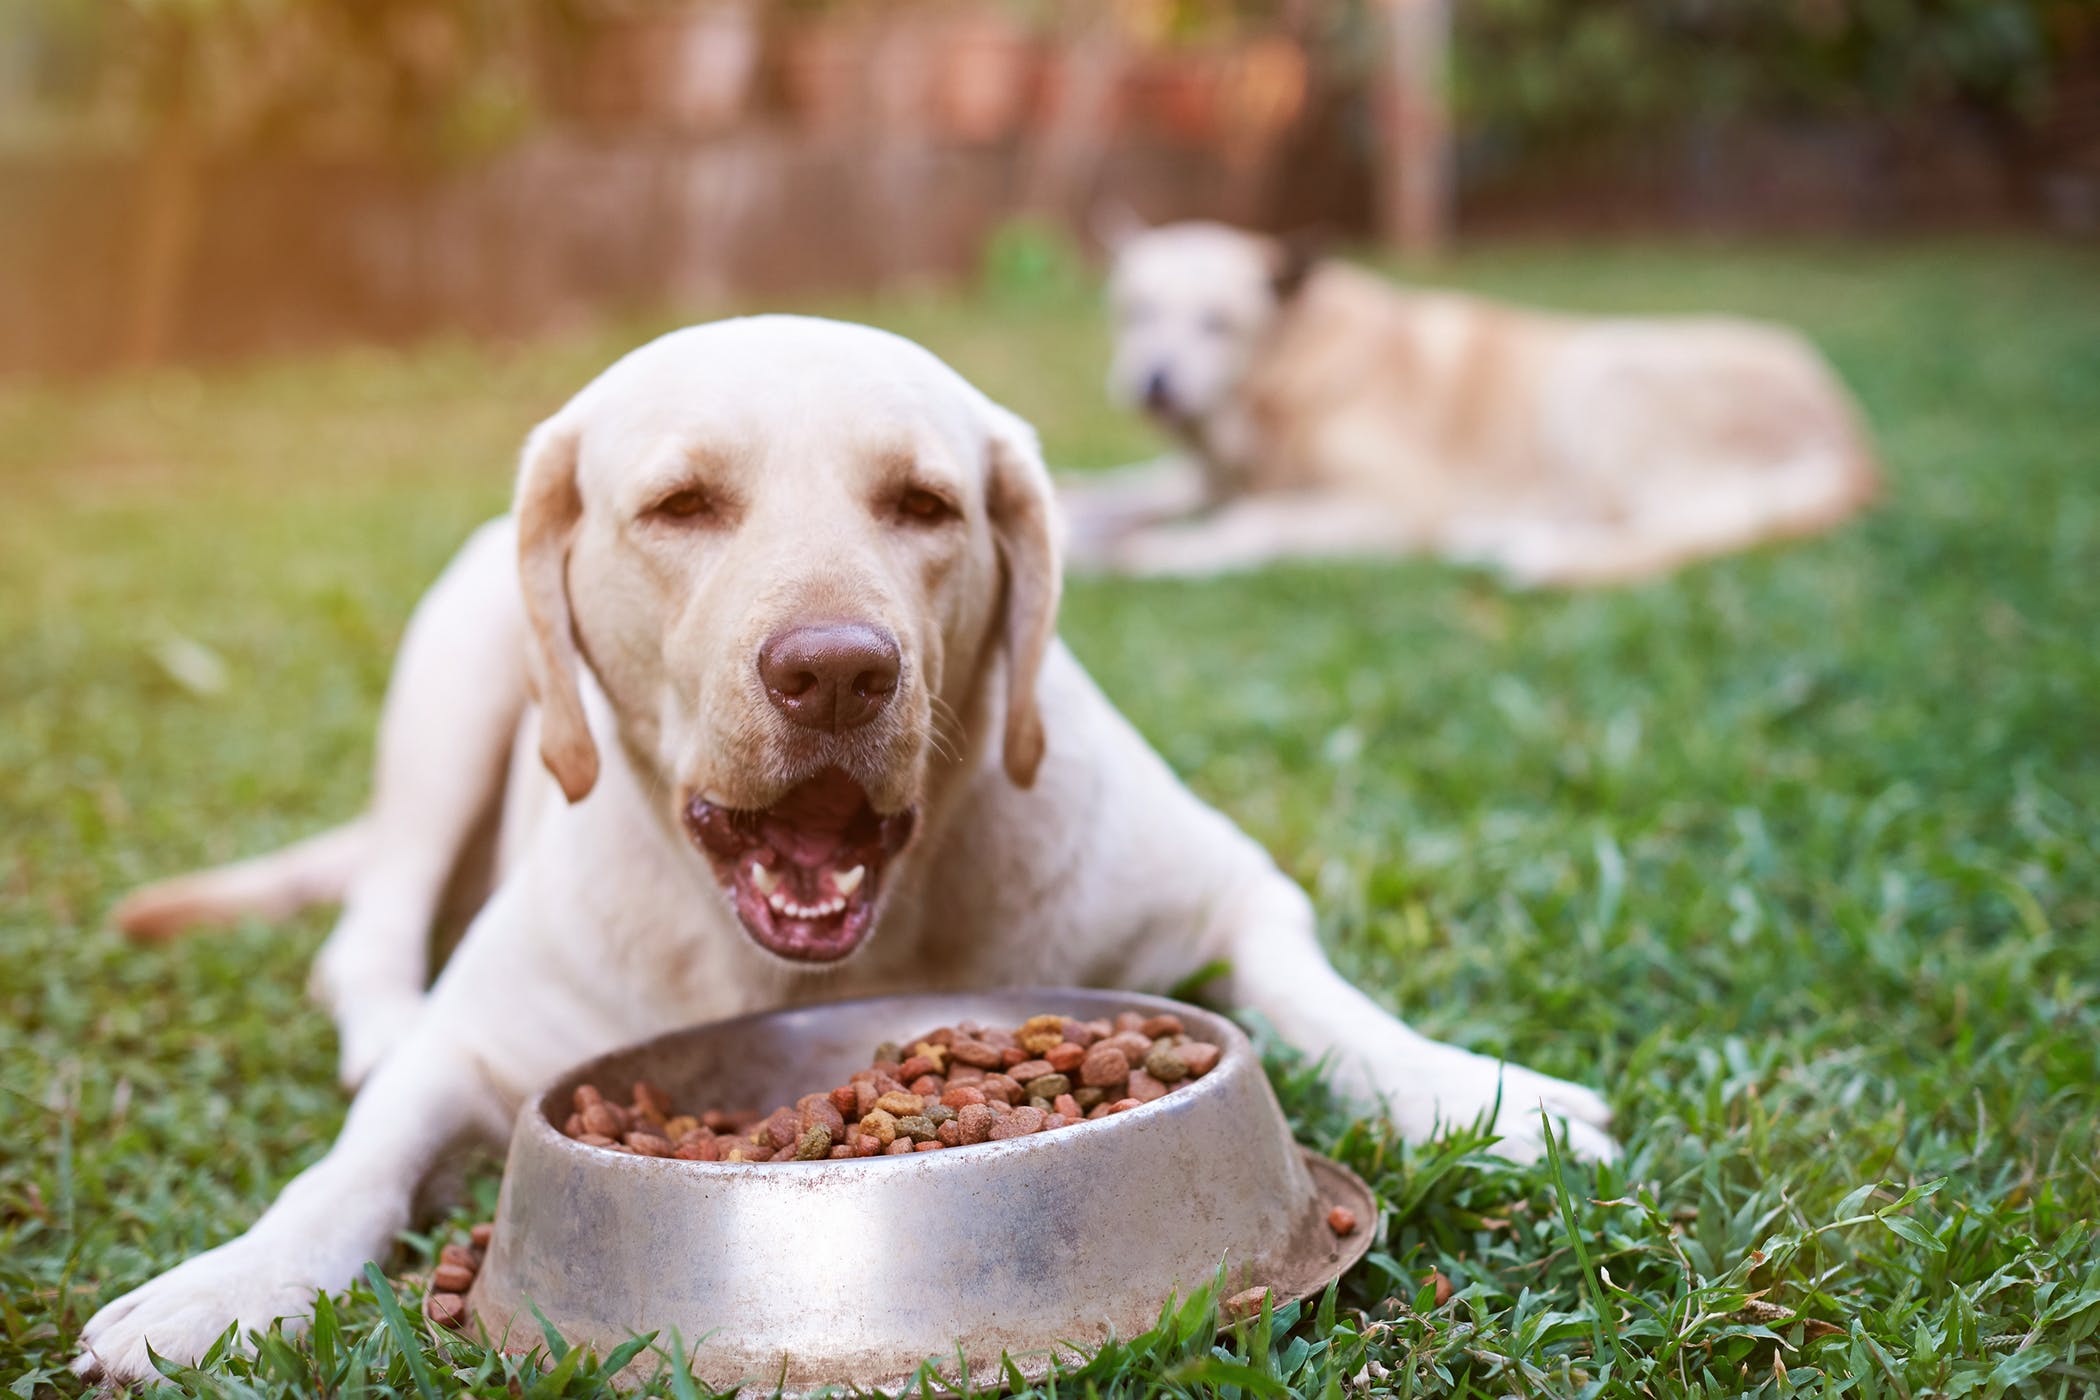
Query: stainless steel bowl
801	1275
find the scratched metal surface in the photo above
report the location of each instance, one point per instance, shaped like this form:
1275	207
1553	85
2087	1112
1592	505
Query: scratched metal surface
801	1275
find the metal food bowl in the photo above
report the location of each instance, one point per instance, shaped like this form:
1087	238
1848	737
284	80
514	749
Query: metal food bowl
799	1275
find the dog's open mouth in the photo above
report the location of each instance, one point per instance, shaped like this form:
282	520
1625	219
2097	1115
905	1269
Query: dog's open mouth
806	872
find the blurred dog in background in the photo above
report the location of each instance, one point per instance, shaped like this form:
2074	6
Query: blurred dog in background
1323	411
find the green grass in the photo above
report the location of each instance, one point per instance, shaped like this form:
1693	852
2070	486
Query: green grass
1795	853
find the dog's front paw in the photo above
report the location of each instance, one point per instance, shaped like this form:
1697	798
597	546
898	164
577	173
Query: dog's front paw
1525	1103
180	1314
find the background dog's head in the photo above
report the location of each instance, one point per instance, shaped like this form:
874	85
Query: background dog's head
1192	302
800	557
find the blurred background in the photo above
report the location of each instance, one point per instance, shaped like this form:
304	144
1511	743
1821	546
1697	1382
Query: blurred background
196	179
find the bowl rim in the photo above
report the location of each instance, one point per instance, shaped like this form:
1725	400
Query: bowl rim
1235	1045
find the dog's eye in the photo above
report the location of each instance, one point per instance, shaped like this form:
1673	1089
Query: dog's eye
924	507
689	503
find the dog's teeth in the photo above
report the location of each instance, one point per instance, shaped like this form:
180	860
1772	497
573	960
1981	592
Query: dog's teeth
848	881
765	879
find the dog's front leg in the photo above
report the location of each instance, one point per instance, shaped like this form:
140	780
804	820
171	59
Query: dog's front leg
1279	971
342	1211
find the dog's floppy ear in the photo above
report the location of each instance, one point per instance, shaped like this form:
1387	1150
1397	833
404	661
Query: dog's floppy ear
1294	258
1024	525
548	509
1114	223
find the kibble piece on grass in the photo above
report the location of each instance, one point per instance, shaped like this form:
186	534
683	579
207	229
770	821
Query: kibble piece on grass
1342	1220
451	1278
482	1233
466	1256
1166	1065
446	1309
1103	1067
1247	1304
1442	1285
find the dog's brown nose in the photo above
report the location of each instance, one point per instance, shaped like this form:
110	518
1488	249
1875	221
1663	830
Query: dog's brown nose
829	675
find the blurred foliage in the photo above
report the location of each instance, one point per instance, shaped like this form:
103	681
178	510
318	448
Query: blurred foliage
1036	260
1549	73
417	80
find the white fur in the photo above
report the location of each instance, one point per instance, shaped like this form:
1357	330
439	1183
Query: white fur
608	926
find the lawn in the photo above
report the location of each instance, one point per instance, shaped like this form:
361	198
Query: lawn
1795	854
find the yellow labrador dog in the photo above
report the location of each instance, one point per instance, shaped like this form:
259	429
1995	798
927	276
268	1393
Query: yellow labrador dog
1325	411
767	650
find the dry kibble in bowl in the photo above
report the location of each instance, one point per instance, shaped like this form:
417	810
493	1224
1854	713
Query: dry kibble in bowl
955	1086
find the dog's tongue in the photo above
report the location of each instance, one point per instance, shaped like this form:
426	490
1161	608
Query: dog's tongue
813	822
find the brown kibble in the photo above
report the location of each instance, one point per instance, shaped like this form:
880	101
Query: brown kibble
949	1133
1064	1057
1081	1034
1166	1065
1443	1286
841	1152
1342	1220
716	1121
466	1256
1048	1086
1125	1105
1099	1110
977	1053
915	1066
451	1278
966	1074
867	1146
898	1148
1020	1123
962	1095
1200	1056
648	1144
880	1125
1144	1088
1002	1087
815	1143
1166	1023
1247	1304
900	1104
445	1309
975	1122
650	1099
596	1140
928	1086
599	1120
1067	1106
1011	1055
585	1096
864	1095
819	1109
783	1127
1134	1046
1127	1021
572	1126
930	1145
1030	1069
700	1147
482	1234
1104	1066
846	1101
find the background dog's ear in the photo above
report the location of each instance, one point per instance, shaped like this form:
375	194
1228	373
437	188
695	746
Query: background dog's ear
1024	524
548	509
1114	223
1295	257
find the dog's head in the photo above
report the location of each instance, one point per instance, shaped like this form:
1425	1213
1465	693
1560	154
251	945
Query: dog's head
1192	303
799	557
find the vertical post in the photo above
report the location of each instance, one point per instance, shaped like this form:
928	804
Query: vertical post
1414	120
